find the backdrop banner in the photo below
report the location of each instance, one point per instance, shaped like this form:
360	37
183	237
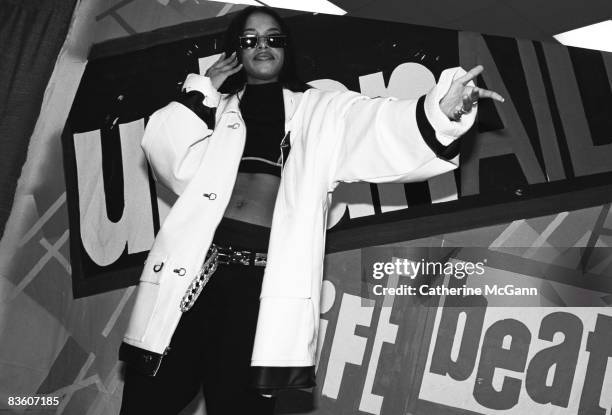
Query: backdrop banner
387	349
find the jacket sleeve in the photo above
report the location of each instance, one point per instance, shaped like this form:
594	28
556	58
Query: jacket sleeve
174	140
391	140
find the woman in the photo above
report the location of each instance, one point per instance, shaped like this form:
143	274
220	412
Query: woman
223	155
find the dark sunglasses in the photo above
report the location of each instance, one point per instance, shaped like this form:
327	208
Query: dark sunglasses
273	41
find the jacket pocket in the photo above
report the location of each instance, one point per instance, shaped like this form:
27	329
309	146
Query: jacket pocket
147	297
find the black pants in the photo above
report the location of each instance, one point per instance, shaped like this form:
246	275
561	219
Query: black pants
212	345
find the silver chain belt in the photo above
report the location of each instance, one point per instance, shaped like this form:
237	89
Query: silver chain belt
218	255
195	288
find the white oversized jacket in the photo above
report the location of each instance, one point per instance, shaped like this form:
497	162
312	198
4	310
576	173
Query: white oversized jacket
335	137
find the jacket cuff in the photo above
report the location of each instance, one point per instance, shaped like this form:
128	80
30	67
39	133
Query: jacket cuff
195	82
429	134
194	101
447	130
143	361
270	379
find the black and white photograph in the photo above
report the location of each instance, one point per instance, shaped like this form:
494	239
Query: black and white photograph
343	207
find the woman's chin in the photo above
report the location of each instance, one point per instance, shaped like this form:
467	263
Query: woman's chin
262	78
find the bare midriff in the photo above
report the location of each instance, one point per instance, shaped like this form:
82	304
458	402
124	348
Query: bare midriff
253	198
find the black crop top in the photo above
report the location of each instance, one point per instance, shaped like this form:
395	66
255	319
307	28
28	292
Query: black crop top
263	111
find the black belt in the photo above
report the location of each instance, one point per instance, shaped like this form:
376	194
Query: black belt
229	255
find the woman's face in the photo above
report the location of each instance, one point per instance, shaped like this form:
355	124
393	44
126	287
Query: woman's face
262	63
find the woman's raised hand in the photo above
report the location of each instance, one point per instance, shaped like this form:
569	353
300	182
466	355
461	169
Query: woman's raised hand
461	97
223	69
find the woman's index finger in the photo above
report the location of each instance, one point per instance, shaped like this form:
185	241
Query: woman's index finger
471	74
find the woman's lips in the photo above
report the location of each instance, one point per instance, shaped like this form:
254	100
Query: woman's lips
263	56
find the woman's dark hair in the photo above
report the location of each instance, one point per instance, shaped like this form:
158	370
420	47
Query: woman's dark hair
288	74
